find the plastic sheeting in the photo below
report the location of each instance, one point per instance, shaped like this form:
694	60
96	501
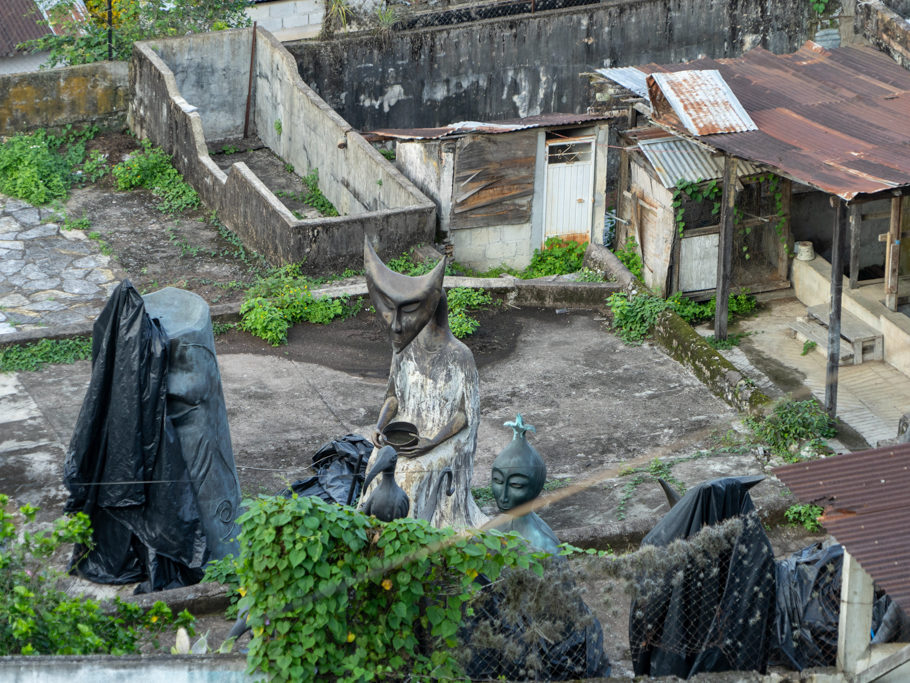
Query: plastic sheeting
335	463
124	466
713	616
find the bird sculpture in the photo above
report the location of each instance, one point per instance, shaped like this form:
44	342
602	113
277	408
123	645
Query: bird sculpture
388	501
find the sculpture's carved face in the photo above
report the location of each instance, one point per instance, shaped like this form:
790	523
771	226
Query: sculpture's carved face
512	488
405	304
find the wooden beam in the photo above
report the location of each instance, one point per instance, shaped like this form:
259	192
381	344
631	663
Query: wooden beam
893	255
837	285
725	248
785	243
856	219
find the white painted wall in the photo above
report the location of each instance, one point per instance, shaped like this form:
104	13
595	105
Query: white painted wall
289	19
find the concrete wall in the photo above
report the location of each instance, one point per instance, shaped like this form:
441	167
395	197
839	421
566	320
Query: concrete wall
150	669
77	95
286	19
885	28
530	64
396	216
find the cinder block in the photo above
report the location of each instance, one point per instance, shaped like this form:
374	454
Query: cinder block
285	9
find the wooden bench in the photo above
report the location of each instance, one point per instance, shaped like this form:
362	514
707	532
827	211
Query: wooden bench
808	330
866	341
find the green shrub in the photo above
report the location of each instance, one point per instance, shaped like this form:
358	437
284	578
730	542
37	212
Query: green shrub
634	316
340	596
629	257
38	617
805	515
790	424
461	300
739	304
36	355
558	257
152	169
41	167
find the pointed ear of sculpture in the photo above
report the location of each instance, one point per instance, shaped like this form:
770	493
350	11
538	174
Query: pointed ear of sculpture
672	494
749	482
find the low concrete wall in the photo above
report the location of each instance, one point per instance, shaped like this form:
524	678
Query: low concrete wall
151	669
78	95
356	178
885	28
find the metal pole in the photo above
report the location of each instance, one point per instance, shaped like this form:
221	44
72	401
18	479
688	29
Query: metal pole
725	249
837	286
110	31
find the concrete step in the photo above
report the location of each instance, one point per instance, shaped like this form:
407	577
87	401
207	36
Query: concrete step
804	329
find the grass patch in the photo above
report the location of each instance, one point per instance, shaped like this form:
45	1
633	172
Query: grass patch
34	356
311	195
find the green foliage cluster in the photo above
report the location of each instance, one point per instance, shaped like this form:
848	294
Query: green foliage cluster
697	191
37	617
634	315
336	594
805	515
311	194
461	300
820	6
790	425
630	258
693	312
82	41
733	339
41	167
152	169
281	298
34	356
558	257
589	275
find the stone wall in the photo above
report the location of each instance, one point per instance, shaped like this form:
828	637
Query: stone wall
885	28
392	212
530	64
77	95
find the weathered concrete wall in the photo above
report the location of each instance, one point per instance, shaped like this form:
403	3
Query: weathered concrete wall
212	73
151	669
77	95
520	66
159	112
885	28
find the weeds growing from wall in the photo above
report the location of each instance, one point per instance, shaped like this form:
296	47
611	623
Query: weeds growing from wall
629	256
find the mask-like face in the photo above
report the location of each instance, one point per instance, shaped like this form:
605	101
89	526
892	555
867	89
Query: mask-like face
405	304
512	488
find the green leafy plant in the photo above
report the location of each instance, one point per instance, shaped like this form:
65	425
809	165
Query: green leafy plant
805	515
77	223
695	191
229	149
808	346
104	246
41	167
693	312
733	339
38	617
790	424
331	590
35	355
634	315
461	300
820	6
95	167
152	169
314	196
630	258
589	275
81	39
558	257
277	126
388	153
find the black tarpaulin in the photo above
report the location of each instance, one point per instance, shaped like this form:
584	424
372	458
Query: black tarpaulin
335	463
714	615
124	467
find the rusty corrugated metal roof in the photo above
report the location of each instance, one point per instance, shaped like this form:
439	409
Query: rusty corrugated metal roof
867	509
629	77
491	128
674	158
837	120
22	20
701	100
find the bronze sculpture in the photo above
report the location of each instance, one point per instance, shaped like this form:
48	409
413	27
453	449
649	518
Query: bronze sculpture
433	384
388	500
519	474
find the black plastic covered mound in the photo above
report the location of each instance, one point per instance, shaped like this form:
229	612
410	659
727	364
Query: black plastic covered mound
336	463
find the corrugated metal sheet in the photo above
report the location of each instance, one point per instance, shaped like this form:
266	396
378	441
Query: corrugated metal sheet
490	128
838	120
867	509
702	101
22	20
676	159
628	77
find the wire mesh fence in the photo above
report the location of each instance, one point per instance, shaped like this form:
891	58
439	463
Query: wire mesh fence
423	15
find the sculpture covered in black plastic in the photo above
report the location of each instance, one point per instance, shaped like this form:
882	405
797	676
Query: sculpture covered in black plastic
150	460
706	616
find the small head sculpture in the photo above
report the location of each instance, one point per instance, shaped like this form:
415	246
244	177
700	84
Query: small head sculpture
405	304
519	472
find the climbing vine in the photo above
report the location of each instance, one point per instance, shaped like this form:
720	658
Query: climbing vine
697	191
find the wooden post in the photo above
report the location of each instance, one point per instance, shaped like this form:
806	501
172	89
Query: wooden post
837	285
856	219
784	245
725	248
249	87
855	620
893	255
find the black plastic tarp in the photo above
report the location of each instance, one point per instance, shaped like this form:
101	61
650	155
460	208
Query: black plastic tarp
706	616
124	467
335	463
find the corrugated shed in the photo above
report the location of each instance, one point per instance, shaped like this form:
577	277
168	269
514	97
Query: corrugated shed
491	128
867	509
675	159
837	120
628	77
701	100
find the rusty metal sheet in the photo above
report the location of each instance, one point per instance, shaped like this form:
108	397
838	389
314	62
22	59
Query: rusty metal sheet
675	159
489	128
867	509
19	21
702	101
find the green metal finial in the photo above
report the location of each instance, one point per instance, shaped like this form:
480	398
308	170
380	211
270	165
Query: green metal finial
519	427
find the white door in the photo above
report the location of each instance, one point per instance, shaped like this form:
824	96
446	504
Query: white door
570	189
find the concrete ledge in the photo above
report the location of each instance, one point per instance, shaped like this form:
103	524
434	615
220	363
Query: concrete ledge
162	668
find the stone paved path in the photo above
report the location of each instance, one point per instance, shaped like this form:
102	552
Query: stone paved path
48	276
